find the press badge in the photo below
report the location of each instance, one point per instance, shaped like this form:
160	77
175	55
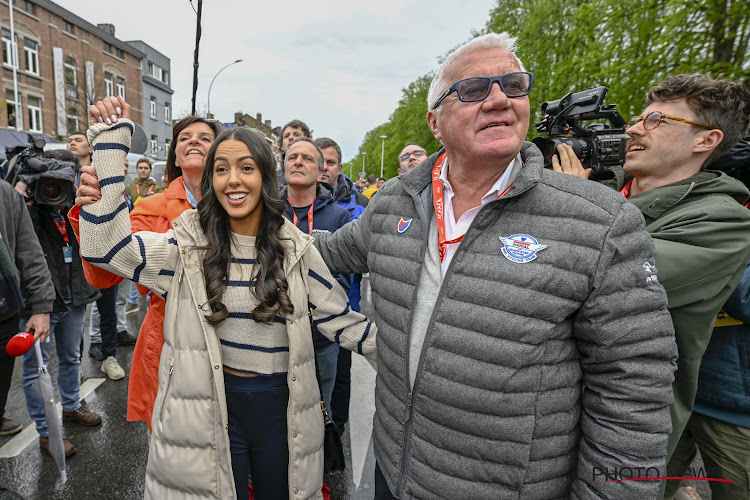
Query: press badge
68	254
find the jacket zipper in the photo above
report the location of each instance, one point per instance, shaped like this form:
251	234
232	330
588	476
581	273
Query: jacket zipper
166	391
410	398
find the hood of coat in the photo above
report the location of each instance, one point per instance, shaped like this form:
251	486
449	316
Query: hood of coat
655	202
190	236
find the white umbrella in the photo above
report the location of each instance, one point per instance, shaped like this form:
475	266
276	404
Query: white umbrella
44	385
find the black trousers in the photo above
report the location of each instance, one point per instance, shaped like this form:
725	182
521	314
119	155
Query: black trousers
108	320
382	492
8	328
342	390
257	409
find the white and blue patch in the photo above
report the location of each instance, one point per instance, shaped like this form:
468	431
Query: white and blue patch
403	225
520	248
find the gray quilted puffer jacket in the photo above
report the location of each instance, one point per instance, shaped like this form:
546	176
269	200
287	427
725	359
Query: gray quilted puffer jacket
534	378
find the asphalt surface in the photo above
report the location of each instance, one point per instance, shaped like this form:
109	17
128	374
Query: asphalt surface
111	459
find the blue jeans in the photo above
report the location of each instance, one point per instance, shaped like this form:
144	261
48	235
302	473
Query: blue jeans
327	356
134	293
67	331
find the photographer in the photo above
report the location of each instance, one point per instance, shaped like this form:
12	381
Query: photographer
694	215
22	268
73	292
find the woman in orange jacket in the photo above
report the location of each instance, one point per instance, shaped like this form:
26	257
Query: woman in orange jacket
191	138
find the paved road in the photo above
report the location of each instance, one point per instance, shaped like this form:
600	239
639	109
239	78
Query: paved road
111	459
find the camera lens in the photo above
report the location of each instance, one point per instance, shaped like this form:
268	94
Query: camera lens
49	191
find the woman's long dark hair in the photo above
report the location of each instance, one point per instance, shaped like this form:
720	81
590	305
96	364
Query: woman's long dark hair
271	286
172	171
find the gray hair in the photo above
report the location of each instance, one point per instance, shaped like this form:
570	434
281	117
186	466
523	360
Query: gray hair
487	41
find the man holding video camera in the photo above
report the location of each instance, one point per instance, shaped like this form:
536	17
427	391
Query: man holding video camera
48	185
696	217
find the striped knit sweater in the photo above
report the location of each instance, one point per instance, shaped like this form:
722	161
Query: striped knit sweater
152	260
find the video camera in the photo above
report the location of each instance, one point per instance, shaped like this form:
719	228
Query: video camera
598	147
49	181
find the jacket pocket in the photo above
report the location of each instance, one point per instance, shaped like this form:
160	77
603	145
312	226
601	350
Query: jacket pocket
166	390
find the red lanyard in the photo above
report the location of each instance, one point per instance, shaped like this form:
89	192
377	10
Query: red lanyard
625	191
62	229
295	220
438	203
138	188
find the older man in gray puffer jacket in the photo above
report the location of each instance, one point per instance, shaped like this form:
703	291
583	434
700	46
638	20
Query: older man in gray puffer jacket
524	346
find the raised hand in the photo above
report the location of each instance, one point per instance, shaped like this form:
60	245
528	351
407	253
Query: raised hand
109	111
89	190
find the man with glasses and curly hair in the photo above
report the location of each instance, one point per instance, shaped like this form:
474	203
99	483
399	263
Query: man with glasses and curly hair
524	350
695	215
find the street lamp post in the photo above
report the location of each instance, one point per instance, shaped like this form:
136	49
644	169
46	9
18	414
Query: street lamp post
364	155
208	111
382	154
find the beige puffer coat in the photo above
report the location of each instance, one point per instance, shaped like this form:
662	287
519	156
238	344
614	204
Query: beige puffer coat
189	453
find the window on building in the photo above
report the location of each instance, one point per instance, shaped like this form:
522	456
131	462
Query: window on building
152	113
71	79
10	109
107	47
68	27
35	113
119	53
31	53
167	113
72	120
10	49
165	77
121	87
109	84
154	145
167	145
28	7
150	68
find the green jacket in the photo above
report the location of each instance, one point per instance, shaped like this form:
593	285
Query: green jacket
701	232
141	188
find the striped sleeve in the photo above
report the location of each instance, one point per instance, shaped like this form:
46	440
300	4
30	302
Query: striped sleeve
105	234
331	312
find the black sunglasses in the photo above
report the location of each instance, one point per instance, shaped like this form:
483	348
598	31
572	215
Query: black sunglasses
516	84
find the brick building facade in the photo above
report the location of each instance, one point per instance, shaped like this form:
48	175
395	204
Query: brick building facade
63	63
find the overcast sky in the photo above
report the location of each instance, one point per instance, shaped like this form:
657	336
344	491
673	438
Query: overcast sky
338	65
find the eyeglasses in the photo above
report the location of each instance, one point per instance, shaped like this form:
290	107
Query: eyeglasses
517	84
655	118
417	153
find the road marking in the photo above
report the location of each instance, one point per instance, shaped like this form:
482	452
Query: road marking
27	436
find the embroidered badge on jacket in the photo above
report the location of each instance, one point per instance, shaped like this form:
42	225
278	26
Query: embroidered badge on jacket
403	225
520	248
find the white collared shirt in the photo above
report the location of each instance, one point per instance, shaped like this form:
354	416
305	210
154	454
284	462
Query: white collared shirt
456	228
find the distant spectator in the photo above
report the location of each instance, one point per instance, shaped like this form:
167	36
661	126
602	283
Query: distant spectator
372	186
290	133
143	185
381	181
412	155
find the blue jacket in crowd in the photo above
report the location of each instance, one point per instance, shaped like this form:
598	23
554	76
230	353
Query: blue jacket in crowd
327	218
724	380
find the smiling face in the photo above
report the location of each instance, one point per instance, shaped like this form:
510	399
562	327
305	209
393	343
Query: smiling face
331	166
192	145
488	132
238	183
673	150
144	170
301	165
